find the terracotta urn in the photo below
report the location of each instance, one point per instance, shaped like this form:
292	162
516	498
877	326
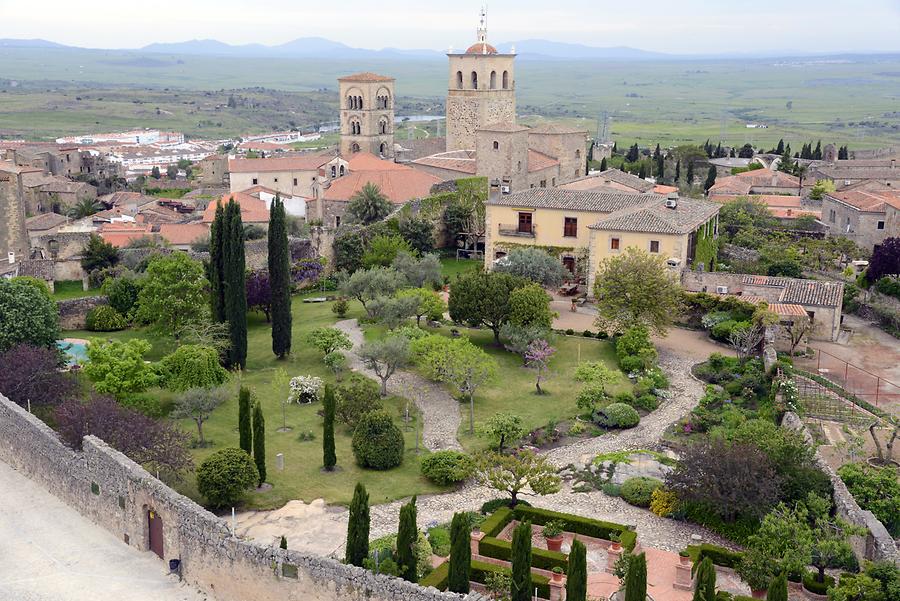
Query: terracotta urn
616	546
557	576
554	543
759	594
685	560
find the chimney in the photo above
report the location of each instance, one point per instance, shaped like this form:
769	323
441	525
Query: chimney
893	163
12	257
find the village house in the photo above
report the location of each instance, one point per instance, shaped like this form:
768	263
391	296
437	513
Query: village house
821	301
781	206
254	210
44	224
758	181
213	170
294	176
583	228
181	236
120	234
847	173
864	216
55	193
616	180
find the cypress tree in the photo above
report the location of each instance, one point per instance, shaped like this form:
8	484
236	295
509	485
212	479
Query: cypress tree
245	432
520	587
677	171
657	152
590	155
460	554
615	148
235	285
710	178
660	168
357	548
778	588
576	581
636	579
603	166
407	536
329	458
642	170
705	581
279	279
283	543
817	153
690	173
780	148
259	442
216	265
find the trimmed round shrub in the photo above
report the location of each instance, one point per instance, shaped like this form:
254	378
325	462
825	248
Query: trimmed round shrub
104	319
493	505
638	491
377	441
617	415
224	476
192	366
569	331
587	334
447	467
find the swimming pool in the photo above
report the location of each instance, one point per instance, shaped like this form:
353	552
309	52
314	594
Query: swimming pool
75	350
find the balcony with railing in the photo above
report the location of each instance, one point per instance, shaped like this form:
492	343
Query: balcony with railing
521	230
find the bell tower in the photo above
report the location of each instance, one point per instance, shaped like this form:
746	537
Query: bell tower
367	114
481	90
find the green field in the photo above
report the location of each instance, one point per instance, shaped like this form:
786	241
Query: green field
852	100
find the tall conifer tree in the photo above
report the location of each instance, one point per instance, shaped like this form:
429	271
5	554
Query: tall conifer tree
407	536
216	265
576	580
235	285
460	554
259	442
280	279
357	547
636	579
329	459
245	430
521	587
778	589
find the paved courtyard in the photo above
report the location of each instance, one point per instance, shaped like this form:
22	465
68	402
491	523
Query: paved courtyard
51	553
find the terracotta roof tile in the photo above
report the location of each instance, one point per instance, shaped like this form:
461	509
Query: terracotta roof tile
295	163
122	234
787	309
455	160
45	221
398	185
538	161
656	217
183	233
574	200
626	179
868	201
802	292
366	161
253	210
481	48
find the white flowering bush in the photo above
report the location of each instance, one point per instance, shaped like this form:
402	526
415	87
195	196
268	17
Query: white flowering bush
305	389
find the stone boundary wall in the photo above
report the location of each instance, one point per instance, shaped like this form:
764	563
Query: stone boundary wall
878	544
114	492
73	312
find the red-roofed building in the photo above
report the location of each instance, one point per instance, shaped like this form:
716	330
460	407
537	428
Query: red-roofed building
781	206
121	234
865	216
254	211
758	181
182	235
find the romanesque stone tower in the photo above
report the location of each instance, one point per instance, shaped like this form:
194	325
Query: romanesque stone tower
367	114
481	90
13	237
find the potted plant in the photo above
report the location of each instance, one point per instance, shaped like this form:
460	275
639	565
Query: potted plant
684	557
557	574
755	570
553	533
616	543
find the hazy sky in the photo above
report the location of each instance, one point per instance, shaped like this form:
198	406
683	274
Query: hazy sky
679	26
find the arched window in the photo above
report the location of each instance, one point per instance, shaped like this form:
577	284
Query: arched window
382	149
474	80
493	80
342	170
333	171
459	83
354	148
578	154
350	102
519	166
506	80
496	145
383	126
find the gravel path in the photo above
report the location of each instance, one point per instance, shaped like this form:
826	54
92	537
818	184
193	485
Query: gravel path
652	530
440	411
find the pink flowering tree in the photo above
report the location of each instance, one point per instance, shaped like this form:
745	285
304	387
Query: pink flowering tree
537	357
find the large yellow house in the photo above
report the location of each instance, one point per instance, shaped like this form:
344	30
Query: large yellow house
583	228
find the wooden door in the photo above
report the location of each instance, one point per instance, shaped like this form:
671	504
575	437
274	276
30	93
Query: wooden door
525	223
156	532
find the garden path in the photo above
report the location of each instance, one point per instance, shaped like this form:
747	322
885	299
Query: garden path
440	411
653	531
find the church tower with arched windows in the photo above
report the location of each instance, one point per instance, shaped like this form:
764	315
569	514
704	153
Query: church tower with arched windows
481	90
367	114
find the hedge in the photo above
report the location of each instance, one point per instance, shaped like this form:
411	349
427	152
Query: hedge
439	577
577	524
497	521
540	558
720	556
814	586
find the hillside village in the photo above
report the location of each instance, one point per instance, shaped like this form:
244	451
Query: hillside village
507	362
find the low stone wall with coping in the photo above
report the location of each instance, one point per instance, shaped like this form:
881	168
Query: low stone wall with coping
114	492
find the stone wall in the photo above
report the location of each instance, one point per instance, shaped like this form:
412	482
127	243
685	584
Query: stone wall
878	544
73	312
117	494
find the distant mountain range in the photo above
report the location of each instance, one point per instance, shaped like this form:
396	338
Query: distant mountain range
317	47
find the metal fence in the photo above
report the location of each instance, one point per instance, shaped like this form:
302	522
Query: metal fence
869	387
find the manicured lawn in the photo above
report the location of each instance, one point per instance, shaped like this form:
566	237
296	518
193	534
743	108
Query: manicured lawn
66	289
451	268
513	390
302	477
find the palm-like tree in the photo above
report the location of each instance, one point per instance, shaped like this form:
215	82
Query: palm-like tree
369	204
84	208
